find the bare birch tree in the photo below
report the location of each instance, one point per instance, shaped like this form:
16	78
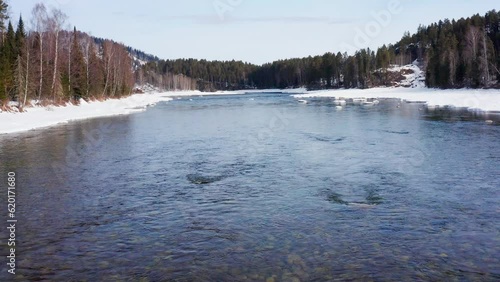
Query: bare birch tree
56	22
108	53
39	22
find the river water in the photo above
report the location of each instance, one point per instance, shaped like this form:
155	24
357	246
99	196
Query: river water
258	187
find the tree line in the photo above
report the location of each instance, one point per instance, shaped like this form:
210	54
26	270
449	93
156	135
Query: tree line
198	74
454	54
51	64
462	53
365	69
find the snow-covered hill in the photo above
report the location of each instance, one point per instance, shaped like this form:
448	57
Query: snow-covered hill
414	76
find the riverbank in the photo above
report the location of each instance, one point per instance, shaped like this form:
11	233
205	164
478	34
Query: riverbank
472	99
36	117
40	117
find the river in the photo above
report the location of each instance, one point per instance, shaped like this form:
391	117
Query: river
258	187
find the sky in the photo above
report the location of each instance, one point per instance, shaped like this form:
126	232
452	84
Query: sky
255	31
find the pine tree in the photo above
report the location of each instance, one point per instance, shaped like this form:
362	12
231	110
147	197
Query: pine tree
21	64
20	36
3	16
7	64
96	75
4	97
77	74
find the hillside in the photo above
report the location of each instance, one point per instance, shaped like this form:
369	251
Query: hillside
452	54
52	65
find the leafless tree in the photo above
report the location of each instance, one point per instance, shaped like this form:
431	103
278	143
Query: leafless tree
56	22
477	51
472	41
39	22
88	48
108	53
27	60
486	67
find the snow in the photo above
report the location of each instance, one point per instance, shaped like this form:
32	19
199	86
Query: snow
481	99
138	61
415	77
412	89
39	117
148	88
237	92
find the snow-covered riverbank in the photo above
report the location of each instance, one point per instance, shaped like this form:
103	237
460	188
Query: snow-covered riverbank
39	117
412	89
176	94
482	100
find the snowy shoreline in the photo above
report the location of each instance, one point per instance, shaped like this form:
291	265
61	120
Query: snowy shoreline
472	99
41	117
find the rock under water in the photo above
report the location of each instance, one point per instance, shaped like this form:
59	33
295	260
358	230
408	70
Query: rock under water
203	179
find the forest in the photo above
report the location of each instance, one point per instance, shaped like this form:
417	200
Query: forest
50	63
454	54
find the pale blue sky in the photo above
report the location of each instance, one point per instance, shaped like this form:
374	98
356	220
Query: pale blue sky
256	31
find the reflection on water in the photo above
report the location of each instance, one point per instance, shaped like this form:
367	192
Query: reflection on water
256	188
454	115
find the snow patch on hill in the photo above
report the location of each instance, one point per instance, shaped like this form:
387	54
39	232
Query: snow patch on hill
414	76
